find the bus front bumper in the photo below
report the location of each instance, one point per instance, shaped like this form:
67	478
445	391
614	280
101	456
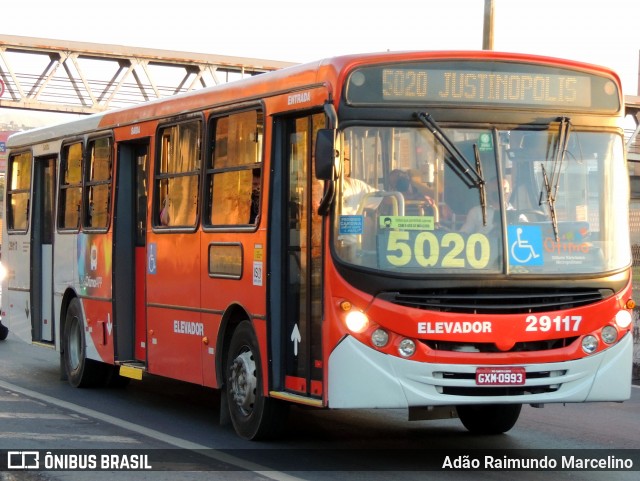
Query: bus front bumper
361	377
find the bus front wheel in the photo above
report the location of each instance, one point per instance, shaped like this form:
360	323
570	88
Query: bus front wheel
254	416
81	372
489	418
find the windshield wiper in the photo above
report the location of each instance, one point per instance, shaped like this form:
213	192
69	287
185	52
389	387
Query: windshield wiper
461	165
481	187
551	201
551	186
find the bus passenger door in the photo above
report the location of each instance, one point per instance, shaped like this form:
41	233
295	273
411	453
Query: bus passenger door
129	252
296	289
42	249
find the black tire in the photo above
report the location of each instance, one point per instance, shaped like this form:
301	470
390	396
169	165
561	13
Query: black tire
4	332
254	416
81	372
489	418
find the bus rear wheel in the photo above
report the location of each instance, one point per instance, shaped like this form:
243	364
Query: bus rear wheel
489	418
254	416
81	372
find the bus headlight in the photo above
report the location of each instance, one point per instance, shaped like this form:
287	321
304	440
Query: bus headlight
623	319
357	321
379	338
609	334
589	344
407	348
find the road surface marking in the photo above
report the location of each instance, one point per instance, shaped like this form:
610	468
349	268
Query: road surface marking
152	433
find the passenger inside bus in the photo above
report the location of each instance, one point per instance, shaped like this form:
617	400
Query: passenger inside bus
531	149
474	221
417	201
354	195
353	192
164	213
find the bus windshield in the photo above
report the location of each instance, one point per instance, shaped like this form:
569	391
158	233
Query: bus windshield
553	201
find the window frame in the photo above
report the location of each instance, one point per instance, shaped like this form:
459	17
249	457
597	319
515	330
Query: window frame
210	170
159	176
64	187
11	192
89	183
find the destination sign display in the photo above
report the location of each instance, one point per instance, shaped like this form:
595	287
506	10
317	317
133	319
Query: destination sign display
470	86
482	83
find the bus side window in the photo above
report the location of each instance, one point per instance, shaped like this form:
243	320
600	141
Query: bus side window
234	173
178	175
70	187
18	191
98	183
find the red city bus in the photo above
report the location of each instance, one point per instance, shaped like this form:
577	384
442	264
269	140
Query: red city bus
445	232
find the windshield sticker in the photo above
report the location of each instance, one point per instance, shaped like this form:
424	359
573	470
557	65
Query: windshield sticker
485	143
525	245
351	224
566	253
531	246
445	250
407	222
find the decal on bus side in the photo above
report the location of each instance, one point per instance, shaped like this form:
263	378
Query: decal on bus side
258	267
188	327
151	258
299	98
94	265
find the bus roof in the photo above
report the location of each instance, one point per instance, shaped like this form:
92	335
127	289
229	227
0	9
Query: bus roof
323	72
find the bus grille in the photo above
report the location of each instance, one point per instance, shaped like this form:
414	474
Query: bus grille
486	347
495	301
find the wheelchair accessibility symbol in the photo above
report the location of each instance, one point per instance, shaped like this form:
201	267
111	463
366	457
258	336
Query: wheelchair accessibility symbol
525	245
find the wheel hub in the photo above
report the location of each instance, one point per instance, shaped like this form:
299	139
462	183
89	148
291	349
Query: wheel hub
243	382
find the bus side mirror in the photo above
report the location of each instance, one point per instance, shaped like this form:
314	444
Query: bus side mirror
326	154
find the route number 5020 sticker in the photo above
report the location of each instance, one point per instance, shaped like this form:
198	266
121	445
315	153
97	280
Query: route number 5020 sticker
448	250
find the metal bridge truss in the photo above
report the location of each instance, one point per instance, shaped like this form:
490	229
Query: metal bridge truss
84	78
